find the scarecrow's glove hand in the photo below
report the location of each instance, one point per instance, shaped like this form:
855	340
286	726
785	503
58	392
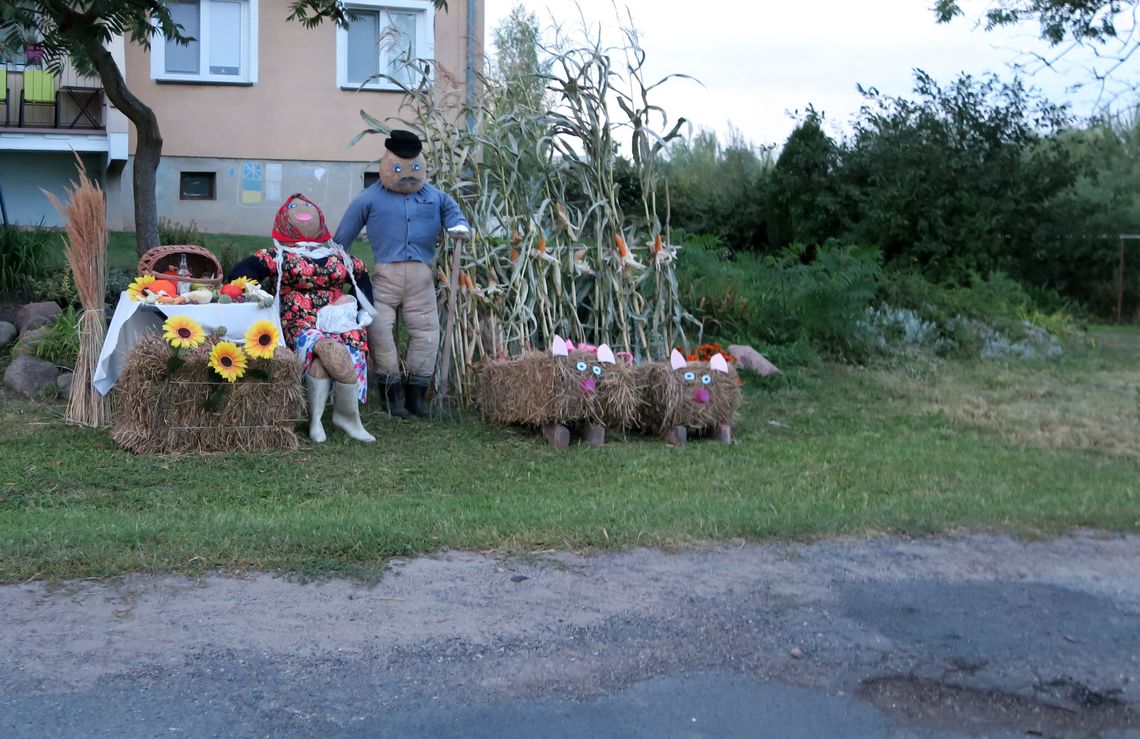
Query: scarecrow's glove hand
364	318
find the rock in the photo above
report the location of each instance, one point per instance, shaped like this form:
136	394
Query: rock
796	652
32	377
750	359
30	339
63	382
8	333
34	315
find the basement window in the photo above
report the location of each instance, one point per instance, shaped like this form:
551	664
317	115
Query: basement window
197	186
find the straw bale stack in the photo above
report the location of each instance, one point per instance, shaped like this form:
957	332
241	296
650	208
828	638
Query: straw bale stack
163	412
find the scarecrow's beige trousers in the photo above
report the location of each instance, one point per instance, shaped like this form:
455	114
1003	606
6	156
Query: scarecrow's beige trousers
406	289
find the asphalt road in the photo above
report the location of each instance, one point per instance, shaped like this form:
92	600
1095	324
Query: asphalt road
968	636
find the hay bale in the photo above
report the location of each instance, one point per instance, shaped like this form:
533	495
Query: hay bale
539	388
162	412
670	400
622	396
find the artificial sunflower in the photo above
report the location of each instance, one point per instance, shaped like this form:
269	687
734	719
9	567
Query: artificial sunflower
261	340
183	331
244	282
137	289
228	360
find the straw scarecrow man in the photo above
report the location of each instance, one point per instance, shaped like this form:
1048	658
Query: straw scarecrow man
404	215
322	323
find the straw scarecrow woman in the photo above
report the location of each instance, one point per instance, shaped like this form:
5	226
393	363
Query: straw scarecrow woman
404	215
322	323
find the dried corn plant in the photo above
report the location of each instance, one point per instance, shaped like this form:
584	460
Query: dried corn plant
553	251
86	252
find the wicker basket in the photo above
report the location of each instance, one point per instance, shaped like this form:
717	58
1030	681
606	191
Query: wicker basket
163	261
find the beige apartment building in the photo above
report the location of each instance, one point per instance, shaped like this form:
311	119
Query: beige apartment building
256	108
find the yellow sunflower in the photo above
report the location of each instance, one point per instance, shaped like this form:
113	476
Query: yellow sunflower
136	289
243	282
183	331
261	340
228	360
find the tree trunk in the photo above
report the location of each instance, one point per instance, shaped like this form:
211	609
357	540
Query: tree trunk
148	145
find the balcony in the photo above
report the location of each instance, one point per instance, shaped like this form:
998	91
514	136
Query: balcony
35	98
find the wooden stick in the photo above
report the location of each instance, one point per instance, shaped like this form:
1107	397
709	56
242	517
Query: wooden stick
452	306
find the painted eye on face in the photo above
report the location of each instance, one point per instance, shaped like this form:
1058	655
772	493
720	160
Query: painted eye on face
293	205
597	370
416	166
690	376
706	379
581	366
397	168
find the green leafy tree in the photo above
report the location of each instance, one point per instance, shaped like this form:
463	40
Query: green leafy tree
804	202
1107	28
719	190
954	181
81	31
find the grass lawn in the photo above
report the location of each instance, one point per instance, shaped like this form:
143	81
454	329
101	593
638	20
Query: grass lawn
1029	448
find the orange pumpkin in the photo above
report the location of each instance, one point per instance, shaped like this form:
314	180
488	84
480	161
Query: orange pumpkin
163	287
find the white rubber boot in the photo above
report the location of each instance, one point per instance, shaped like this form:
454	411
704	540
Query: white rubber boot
346	412
318	391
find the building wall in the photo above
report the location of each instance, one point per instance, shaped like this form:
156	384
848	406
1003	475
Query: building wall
249	191
295	110
288	132
24	175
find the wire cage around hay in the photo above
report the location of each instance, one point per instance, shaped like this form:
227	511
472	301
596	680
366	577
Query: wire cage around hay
190	409
168	262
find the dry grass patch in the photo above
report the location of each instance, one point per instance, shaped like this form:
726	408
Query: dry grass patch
1084	402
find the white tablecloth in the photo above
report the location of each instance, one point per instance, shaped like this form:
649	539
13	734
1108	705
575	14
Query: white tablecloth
133	319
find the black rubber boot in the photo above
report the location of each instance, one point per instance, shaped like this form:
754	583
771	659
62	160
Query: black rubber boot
393	402
415	388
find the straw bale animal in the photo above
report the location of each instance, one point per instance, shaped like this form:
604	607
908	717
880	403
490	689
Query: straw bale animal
681	395
556	391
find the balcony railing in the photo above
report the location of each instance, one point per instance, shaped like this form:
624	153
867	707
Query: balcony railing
33	97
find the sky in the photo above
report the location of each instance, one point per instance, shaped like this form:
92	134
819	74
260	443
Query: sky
762	63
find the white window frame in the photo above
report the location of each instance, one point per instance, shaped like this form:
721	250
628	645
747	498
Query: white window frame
248	76
425	38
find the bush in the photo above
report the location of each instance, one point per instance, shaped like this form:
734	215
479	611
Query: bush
816	297
23	256
171	232
56	285
60	343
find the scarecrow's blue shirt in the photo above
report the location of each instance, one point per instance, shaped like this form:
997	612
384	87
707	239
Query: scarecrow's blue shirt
401	227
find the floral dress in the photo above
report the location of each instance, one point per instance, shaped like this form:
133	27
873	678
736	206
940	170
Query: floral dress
307	285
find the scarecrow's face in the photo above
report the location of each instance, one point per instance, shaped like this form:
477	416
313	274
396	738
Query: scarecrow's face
305	217
402	175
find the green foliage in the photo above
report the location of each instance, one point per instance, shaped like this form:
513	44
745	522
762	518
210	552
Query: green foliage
803	195
795	298
23	256
172	232
60	343
56	285
719	190
955	181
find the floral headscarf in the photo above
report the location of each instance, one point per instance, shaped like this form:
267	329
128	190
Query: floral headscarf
285	232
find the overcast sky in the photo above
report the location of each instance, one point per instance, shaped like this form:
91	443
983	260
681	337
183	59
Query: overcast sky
759	61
